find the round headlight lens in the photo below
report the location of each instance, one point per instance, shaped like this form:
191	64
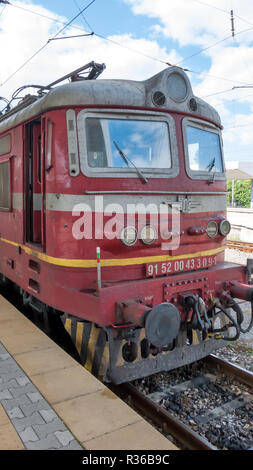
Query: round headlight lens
148	234
177	87
212	229
225	227
128	235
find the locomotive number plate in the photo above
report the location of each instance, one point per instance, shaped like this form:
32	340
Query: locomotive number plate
179	265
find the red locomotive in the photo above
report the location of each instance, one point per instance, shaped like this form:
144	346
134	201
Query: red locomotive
89	174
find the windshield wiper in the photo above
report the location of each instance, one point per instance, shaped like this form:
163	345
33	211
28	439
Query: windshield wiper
211	165
209	168
127	159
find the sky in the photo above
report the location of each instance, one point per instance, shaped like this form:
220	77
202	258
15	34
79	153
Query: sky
135	39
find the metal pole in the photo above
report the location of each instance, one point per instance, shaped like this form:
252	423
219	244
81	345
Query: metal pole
233	192
98	269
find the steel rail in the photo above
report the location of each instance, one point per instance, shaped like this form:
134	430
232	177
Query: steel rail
238	372
241	246
239	242
188	438
162	418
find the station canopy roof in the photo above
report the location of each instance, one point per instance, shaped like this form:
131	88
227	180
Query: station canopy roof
239	170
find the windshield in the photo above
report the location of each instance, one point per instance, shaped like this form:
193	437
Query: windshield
145	144
204	150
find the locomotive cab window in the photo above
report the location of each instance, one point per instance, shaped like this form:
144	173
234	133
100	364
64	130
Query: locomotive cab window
5	148
4	186
96	149
203	150
145	142
5	144
119	145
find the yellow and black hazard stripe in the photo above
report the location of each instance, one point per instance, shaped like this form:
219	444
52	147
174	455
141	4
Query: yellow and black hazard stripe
97	354
92	345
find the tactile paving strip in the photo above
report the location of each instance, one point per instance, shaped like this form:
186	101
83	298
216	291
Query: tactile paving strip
36	423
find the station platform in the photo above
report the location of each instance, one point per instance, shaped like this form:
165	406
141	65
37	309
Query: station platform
49	401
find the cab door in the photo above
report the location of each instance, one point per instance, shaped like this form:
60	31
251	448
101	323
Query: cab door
33	182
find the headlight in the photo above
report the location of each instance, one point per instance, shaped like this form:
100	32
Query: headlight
177	87
225	227
212	229
148	234
128	235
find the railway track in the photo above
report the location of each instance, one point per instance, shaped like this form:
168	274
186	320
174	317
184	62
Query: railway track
147	405
246	247
153	405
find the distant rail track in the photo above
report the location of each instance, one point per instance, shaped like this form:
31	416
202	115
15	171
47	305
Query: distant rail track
247	247
154	405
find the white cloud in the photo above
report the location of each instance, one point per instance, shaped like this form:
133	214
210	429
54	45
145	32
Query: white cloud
22	34
184	21
234	106
190	22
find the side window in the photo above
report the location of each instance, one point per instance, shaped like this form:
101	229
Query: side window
5	144
95	143
5	185
203	150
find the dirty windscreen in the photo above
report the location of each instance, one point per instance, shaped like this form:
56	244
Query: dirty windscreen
118	143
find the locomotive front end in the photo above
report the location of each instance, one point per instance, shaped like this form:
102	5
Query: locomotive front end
113	196
161	295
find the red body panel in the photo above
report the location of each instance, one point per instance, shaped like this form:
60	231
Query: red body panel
46	271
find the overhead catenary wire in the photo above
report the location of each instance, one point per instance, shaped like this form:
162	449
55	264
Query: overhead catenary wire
129	48
78	27
217	93
234	87
231	89
204	49
232	16
244	59
3	9
243	97
65	25
215	44
125	47
242	55
45	45
41	15
211	6
227	12
82	15
95	34
215	76
249	124
168	63
186	58
118	44
228	90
